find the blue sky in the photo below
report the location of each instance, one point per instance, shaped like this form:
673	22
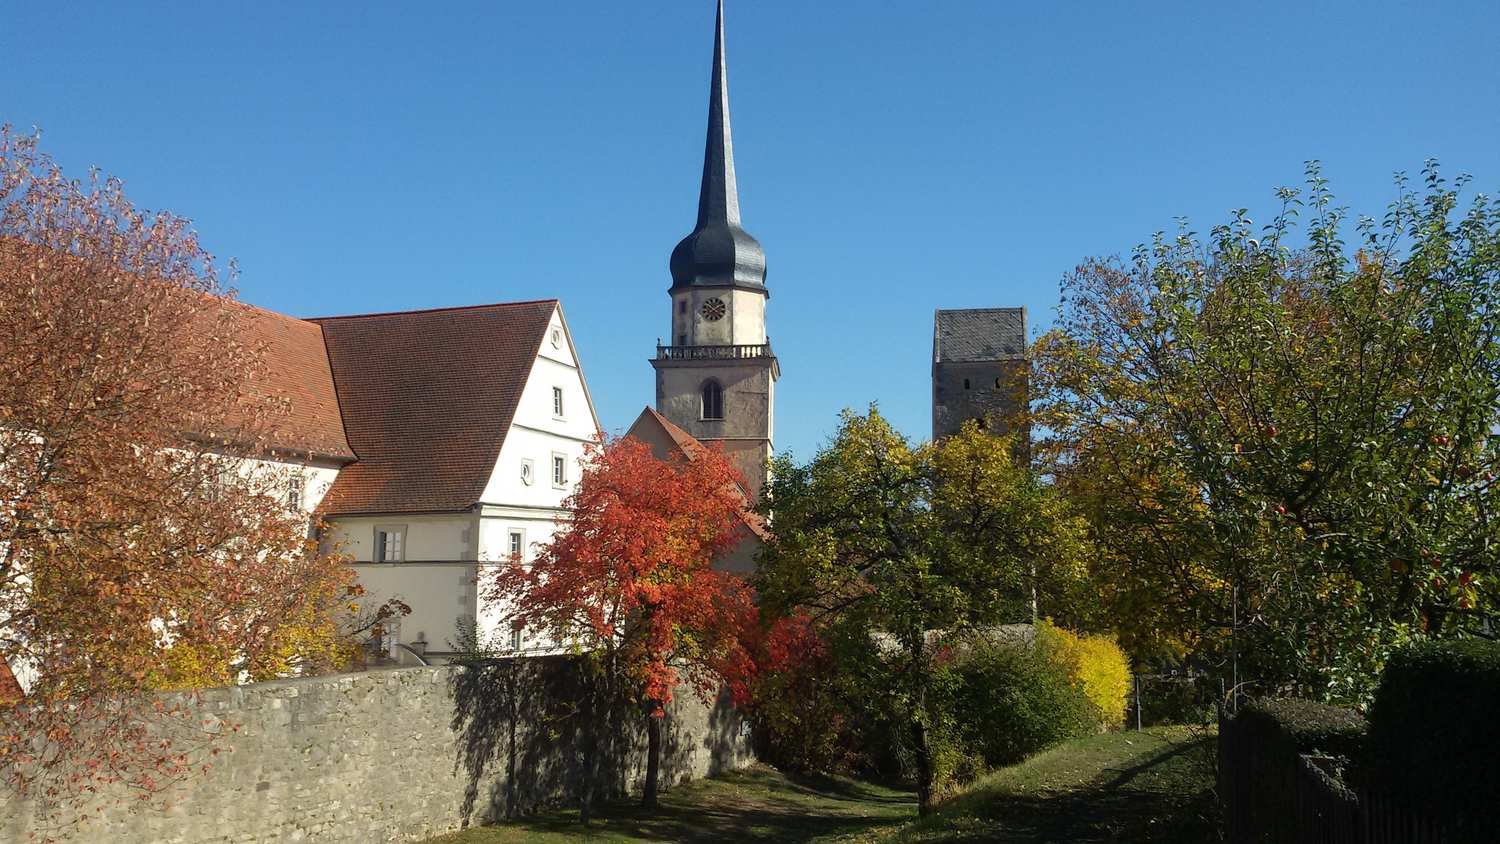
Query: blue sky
895	156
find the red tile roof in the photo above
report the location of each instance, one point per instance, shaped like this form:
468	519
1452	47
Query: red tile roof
427	398
10	689
691	448
295	369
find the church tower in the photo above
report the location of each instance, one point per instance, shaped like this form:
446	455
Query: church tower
716	378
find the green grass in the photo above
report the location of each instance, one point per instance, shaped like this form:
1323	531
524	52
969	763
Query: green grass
1118	788
756	804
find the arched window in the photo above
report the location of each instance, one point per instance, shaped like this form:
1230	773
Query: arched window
713	400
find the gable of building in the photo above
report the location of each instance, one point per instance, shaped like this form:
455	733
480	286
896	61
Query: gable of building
427	399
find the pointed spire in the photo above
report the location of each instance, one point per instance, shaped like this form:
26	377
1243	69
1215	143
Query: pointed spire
719	198
719	253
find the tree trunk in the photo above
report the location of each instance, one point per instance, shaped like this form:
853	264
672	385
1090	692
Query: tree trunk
922	744
925	803
653	757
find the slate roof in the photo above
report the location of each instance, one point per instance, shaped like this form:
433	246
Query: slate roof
427	398
979	334
719	252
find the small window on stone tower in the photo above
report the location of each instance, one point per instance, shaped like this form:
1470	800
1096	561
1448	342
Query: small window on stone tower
966	383
713	400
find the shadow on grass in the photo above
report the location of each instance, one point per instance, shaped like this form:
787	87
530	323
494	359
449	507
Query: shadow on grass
1167	796
757	804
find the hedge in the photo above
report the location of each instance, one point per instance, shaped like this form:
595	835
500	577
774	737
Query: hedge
1258	761
1291	726
1433	731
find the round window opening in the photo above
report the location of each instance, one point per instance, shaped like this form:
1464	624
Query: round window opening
557	338
713	310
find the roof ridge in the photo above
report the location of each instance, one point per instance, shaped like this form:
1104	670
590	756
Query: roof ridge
415	311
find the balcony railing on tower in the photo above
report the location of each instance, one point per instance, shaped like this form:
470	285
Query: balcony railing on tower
739	352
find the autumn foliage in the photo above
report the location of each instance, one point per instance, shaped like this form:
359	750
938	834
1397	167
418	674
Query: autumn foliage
628	580
144	546
1285	445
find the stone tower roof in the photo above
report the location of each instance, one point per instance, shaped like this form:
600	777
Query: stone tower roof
719	253
979	334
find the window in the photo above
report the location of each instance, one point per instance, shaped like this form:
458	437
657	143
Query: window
559	470
517	545
390	544
224	478
515	638
557	338
682	339
557	403
713	400
294	494
966	383
681	306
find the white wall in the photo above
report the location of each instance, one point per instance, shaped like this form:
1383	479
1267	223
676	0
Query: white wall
429	538
436	577
445	554
439	594
317	478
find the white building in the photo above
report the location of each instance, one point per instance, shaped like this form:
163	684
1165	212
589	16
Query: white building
435	444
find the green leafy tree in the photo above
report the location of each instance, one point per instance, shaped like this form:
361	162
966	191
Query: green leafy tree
911	549
1286	449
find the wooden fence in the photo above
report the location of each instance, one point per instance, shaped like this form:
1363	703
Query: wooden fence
1270	797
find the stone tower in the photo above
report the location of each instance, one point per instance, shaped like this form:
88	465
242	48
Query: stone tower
716	378
979	369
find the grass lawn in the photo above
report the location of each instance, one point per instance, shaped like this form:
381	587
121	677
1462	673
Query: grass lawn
756	804
1121	787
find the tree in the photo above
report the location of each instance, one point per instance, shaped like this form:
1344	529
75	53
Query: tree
142	545
910	549
1287	452
628	583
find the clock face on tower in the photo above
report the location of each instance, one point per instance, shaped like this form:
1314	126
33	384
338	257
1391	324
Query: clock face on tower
713	310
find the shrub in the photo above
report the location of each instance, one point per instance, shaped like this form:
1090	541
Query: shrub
1258	760
1012	700
1432	731
1097	663
1289	726
1184	699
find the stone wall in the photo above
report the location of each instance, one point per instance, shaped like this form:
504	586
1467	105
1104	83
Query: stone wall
399	755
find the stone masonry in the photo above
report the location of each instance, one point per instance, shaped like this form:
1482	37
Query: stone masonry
394	755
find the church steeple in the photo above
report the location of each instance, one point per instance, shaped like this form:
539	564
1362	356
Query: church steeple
719	253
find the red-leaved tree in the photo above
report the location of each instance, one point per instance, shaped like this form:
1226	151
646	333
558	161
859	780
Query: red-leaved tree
628	582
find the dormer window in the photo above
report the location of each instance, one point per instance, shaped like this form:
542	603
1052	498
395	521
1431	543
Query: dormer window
713	400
